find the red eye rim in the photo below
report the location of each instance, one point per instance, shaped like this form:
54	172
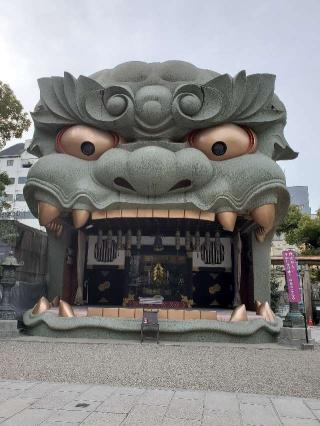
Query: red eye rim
252	138
58	139
59	148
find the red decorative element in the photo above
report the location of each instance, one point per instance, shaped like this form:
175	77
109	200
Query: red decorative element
116	138
191	136
310	322
167	304
252	139
58	139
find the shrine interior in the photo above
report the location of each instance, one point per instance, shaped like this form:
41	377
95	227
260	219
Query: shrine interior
180	262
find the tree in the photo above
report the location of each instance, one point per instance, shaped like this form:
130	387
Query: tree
302	230
13	120
4	180
8	232
290	224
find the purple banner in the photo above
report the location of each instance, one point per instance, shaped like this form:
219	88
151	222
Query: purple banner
292	276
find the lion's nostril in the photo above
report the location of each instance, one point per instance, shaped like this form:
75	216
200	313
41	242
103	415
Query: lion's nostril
119	181
181	184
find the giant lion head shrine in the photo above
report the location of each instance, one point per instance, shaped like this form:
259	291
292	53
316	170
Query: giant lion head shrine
158	186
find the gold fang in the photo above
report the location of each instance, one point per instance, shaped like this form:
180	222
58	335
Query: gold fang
55	302
266	312
65	310
257	304
239	314
46	213
227	220
264	216
41	306
80	218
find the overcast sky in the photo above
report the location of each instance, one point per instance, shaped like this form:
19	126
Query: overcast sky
47	37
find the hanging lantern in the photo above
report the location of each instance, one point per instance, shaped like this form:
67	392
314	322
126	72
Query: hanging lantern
207	240
188	241
119	239
138	239
177	240
157	245
218	249
99	240
129	239
197	241
109	239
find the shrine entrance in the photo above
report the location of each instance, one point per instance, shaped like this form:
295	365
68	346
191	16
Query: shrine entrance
180	263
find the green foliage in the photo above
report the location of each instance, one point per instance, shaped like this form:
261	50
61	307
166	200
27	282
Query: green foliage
315	274
13	121
4	180
274	288
301	230
290	224
8	232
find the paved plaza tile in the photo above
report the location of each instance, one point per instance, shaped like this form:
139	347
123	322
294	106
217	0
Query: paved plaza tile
24	403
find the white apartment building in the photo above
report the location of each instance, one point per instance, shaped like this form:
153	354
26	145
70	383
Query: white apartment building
16	161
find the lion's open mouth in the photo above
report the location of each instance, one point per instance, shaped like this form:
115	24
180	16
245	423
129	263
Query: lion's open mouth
263	217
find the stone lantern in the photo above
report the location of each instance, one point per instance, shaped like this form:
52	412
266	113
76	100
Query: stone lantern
8	280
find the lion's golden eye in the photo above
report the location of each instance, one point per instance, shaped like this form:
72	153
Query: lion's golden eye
224	141
85	142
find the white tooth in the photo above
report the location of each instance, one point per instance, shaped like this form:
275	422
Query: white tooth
98	214
191	214
210	216
176	214
144	212
161	213
111	214
129	212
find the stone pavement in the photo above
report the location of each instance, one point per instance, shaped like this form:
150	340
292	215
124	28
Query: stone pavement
33	403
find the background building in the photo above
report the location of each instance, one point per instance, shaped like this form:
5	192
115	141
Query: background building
16	161
300	197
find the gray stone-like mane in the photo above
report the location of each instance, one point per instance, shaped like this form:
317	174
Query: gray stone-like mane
190	98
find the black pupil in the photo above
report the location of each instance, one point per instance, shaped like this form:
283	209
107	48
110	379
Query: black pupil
87	148
219	148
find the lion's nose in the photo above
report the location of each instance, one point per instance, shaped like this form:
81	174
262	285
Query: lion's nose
152	170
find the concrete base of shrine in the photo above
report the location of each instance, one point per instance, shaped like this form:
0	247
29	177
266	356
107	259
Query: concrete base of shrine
294	336
255	330
8	328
